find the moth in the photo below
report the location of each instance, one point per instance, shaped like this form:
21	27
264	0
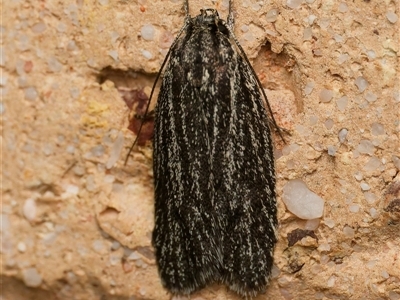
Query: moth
213	163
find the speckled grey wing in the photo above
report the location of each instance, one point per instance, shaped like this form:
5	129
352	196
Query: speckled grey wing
185	235
213	169
248	187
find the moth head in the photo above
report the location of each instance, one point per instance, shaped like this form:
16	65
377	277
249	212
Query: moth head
209	16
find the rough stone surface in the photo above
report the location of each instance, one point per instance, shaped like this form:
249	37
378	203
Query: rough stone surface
84	227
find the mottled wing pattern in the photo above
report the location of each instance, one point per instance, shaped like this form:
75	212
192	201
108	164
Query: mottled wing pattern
213	168
185	236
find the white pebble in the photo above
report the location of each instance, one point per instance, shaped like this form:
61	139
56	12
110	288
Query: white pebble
366	147
342	58
332	150
54	65
307	34
373	164
147	54
309	88
39	27
115	150
311	19
21	247
374	213
272	15
294	4
396	161
370	97
134	256
342	103
348	231
342	135
113	54
29	209
394	296
302	202
325	96
354	208
30	93
115	245
385	274
361	83
377	129
72	189
324	23
313	120
114	36
392	17
331	281
312	224
329	222
343	7
324	247
370	197
98	246
364	186
147	32
358	176
371	264
329	124
371	54
31	277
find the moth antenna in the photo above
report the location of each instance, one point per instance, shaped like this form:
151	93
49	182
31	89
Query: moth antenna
243	54
187	20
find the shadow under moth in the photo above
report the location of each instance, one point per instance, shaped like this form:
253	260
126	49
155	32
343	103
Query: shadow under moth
215	206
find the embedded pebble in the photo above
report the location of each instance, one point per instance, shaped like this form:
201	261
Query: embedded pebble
361	83
373	164
54	65
374	213
392	17
312	224
325	95
324	247
115	151
343	7
294	4
329	222
307	34
377	129
31	277
342	58
332	150
370	197
354	208
364	186
29	209
343	134
147	32
329	124
348	231
371	54
30	93
309	88
113	54
147	54
39	27
366	147
302	202
342	103
21	247
370	97
272	15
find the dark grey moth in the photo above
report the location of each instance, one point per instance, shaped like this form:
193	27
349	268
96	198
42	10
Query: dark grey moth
215	207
